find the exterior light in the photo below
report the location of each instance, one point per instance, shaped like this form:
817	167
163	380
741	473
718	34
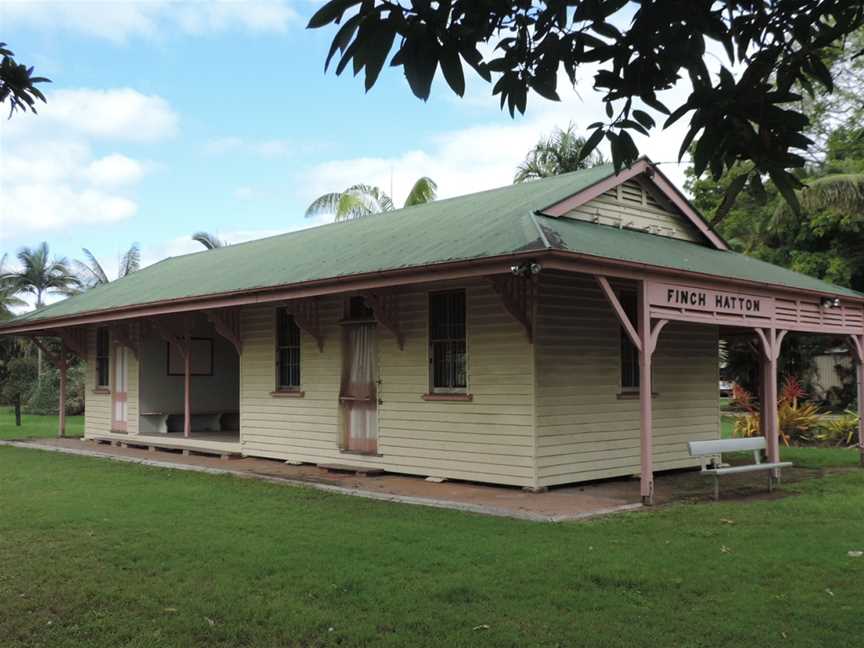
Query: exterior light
525	269
830	303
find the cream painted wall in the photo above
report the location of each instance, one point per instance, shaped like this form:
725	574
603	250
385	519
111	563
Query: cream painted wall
584	429
97	410
488	439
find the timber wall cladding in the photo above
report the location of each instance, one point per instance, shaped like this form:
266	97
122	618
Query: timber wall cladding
97	410
634	206
584	430
489	439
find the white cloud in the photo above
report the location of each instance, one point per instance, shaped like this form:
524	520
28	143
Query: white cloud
113	170
120	114
50	178
268	148
121	20
480	157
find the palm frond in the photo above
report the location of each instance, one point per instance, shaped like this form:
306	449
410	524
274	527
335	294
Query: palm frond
424	190
842	191
326	204
208	240
130	261
96	271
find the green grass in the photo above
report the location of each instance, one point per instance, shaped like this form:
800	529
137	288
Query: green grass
36	426
95	553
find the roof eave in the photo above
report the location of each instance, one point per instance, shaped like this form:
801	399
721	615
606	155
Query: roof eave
554	259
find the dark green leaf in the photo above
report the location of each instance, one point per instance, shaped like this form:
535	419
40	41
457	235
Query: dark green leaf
330	12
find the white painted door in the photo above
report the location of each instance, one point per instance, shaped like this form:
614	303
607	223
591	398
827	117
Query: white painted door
119	409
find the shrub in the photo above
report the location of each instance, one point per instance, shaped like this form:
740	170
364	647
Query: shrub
841	431
797	422
45	395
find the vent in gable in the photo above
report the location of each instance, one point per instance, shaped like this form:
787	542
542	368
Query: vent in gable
632	192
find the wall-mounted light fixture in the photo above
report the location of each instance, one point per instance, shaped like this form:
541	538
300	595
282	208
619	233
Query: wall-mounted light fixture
828	302
526	269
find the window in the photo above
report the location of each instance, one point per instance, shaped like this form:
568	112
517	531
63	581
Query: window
102	357
287	352
447	350
629	353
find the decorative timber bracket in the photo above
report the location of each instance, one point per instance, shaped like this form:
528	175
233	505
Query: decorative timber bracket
127	334
307	319
653	335
518	294
385	307
58	361
227	324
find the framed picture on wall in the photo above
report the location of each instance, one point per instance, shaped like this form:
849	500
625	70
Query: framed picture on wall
202	358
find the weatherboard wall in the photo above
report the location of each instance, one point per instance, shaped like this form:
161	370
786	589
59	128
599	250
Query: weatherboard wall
488	439
98	403
634	205
586	427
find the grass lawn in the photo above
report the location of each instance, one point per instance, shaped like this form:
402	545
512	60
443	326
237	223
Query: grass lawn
95	553
36	426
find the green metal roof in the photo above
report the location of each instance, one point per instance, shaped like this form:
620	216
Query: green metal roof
476	226
609	242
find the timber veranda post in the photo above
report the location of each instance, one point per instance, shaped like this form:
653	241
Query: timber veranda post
646	433
187	379
62	408
858	343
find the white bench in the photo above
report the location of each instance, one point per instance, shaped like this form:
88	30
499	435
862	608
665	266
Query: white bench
714	449
157	422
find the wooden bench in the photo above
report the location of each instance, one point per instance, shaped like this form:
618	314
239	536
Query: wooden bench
714	449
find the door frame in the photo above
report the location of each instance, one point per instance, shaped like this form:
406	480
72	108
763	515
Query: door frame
120	392
346	402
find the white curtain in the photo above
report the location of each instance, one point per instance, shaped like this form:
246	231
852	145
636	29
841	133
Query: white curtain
359	392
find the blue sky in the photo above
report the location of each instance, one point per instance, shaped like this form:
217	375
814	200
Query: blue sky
169	117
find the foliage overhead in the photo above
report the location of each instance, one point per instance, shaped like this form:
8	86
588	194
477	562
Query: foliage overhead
560	152
636	51
362	200
17	83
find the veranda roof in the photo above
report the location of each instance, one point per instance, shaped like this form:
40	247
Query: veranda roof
482	225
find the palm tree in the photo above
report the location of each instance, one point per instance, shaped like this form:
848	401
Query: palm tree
559	153
95	275
8	298
208	240
40	276
843	192
364	200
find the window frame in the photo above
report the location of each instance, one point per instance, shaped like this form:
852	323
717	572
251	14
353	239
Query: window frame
278	348
103	369
626	344
430	347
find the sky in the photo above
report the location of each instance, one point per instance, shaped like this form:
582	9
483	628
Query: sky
169	117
